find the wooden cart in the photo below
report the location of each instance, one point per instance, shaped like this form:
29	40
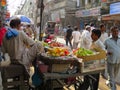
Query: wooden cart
56	70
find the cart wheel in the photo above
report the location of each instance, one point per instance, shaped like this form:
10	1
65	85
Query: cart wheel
78	85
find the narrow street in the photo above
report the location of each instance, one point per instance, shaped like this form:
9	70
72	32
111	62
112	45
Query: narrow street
21	20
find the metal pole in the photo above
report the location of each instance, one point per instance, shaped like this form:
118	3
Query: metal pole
41	11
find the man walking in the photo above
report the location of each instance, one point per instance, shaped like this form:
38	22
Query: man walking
112	45
76	37
68	36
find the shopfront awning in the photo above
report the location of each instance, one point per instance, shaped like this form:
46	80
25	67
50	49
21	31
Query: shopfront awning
111	17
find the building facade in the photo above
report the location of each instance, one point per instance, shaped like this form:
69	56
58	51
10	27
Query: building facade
28	9
3	11
96	11
60	11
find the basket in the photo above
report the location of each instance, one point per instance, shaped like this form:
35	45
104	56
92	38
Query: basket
97	56
57	64
92	62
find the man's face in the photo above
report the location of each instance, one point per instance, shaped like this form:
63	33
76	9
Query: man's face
115	32
94	36
103	29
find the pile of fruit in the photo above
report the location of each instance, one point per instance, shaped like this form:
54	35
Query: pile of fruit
56	44
45	44
58	51
80	52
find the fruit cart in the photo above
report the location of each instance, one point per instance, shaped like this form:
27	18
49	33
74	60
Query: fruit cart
57	65
59	68
60	64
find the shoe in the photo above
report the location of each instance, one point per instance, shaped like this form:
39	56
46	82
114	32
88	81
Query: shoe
108	83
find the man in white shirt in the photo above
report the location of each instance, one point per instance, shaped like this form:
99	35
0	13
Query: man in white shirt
112	45
76	37
37	31
96	45
104	35
86	40
92	26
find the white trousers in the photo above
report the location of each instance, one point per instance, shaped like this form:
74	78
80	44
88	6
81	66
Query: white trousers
113	72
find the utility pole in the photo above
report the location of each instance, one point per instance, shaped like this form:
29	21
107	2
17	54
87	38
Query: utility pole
0	11
41	12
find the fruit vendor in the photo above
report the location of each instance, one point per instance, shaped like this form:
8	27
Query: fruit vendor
15	43
97	45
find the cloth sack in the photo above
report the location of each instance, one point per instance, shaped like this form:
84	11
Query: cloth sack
36	79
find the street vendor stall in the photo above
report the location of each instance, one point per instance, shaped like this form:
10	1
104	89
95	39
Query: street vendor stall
62	63
60	76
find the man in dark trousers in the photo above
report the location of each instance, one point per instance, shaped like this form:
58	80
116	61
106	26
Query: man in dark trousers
68	36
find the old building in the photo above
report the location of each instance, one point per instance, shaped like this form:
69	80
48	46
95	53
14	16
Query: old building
97	11
60	11
113	13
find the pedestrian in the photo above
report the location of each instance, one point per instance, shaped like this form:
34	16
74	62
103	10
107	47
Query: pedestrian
92	26
68	36
112	45
76	37
4	58
15	43
37	33
56	29
96	45
85	41
2	32
104	35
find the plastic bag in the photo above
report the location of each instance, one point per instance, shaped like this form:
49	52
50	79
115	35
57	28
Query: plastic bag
4	60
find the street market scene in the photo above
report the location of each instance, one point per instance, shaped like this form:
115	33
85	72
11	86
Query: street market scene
59	44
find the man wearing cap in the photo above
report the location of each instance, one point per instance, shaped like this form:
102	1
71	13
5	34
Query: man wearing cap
86	40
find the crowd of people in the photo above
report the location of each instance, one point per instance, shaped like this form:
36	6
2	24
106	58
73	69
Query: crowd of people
22	48
98	38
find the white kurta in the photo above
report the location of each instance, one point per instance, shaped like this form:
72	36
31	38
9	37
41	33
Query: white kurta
76	38
104	36
85	41
113	59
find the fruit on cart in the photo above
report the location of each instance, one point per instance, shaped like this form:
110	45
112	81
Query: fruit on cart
45	44
82	52
56	44
58	51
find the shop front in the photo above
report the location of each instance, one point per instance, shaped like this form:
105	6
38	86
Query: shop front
88	16
113	18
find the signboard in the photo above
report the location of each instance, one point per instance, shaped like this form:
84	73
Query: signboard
89	12
103	0
115	8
